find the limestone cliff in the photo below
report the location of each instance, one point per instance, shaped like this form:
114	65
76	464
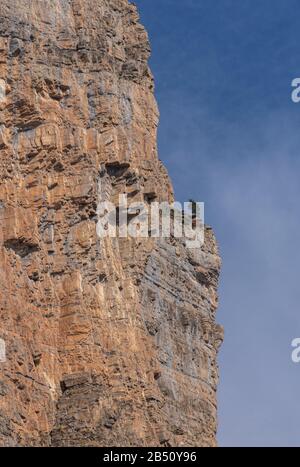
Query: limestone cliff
109	342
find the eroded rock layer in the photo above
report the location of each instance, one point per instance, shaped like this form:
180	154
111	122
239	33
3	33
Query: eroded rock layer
109	342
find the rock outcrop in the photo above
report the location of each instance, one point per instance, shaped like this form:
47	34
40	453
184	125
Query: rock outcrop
113	341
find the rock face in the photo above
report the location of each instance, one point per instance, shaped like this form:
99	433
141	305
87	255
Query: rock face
112	341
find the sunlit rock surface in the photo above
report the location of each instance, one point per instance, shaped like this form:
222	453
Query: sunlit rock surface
109	342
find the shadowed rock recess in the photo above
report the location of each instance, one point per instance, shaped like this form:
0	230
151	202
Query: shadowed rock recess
109	342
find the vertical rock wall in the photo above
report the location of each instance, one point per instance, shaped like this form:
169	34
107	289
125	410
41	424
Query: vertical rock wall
109	342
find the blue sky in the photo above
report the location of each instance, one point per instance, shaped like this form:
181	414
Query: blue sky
230	136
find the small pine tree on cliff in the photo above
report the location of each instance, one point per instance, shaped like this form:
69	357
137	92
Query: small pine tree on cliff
194	208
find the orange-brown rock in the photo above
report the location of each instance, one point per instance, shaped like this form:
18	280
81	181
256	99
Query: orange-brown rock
112	341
